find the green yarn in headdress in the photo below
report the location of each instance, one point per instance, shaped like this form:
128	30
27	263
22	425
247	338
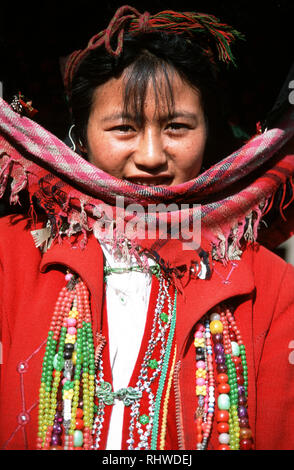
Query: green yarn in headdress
210	32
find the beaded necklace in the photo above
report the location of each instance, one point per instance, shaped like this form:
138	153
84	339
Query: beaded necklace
73	393
72	377
68	372
220	353
151	269
145	398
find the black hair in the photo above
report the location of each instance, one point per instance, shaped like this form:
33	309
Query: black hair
144	55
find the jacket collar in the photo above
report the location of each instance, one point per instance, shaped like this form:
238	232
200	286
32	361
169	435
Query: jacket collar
227	281
87	263
200	295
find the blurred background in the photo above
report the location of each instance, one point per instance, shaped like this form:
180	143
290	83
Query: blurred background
36	36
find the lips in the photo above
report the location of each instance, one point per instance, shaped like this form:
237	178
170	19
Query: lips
150	181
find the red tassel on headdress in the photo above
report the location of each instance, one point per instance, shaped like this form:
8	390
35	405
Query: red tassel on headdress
127	18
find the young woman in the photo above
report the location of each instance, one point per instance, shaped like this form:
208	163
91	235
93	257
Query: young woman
160	336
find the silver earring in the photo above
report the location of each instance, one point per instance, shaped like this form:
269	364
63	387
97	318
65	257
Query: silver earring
71	139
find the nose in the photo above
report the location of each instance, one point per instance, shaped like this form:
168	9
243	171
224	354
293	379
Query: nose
150	154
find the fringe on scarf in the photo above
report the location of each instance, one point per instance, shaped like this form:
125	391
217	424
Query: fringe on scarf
75	218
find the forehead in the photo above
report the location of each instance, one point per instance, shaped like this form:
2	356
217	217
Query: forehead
160	94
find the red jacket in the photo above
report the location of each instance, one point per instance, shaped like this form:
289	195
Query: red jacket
261	285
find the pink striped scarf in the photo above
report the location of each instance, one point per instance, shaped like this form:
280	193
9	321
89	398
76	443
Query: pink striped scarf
234	194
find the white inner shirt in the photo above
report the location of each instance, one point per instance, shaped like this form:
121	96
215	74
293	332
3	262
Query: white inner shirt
127	300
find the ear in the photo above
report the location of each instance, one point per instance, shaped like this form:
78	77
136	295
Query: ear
82	147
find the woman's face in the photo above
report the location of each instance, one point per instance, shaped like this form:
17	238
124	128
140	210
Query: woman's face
162	150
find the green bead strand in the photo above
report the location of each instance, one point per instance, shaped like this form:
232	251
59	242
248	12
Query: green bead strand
91	376
76	379
234	430
46	386
245	367
163	377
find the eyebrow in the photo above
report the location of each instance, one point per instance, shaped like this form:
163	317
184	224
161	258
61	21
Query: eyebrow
180	114
164	117
115	116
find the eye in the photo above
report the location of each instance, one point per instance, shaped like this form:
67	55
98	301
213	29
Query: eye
177	126
123	128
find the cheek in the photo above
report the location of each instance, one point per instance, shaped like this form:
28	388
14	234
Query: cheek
189	155
104	153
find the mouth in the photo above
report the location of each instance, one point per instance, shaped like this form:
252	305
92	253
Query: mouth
150	181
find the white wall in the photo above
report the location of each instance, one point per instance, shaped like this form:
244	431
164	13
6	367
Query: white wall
288	246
